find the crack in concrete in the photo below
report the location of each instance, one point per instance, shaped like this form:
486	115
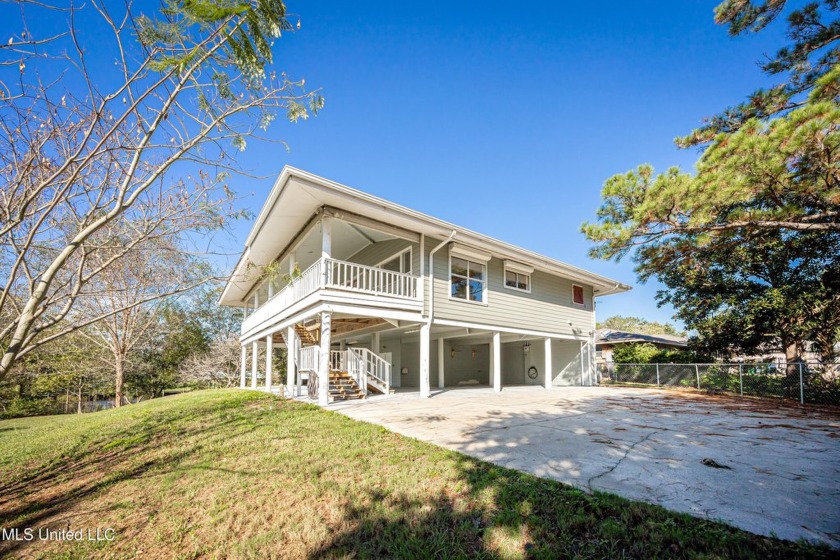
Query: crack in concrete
624	456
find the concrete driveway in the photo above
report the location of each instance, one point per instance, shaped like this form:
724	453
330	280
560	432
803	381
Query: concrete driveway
644	444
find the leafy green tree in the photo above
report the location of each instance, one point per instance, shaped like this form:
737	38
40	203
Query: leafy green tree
178	335
747	245
760	292
638	325
635	353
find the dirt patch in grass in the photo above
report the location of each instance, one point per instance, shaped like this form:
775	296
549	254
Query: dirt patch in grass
238	474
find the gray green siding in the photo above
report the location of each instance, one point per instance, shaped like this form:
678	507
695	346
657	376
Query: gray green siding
548	307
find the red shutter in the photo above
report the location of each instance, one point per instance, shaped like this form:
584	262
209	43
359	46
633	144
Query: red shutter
578	294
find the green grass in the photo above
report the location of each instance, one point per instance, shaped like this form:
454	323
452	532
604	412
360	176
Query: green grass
240	474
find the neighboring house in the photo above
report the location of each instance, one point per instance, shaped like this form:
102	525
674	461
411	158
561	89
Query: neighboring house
773	353
370	295
606	340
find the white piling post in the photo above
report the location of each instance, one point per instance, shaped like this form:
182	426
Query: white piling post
697	371
657	375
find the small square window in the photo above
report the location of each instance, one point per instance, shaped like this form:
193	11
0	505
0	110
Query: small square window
577	294
518	280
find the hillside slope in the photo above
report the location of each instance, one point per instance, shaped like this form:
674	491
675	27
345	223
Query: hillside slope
242	474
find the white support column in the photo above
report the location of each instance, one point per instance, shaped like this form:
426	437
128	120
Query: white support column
243	367
342	344
375	343
549	375
326	237
582	364
324	359
326	247
425	387
291	359
441	362
255	349
497	361
269	356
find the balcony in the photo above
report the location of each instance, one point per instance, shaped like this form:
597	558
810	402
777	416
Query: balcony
334	278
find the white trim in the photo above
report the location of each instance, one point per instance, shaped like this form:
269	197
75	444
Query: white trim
469	253
409	310
518	274
483	327
518	267
583	293
485	293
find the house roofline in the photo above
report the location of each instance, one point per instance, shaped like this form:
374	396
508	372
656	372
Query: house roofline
433	226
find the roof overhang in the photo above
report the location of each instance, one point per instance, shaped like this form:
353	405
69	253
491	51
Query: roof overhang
298	195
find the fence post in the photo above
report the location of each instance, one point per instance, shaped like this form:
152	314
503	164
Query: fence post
657	375
697	371
741	377
801	386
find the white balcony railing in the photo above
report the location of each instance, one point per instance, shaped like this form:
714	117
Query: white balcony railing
337	275
342	275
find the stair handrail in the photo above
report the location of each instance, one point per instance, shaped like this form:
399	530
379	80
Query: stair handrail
375	368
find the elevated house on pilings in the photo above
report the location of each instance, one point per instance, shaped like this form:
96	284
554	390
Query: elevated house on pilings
369	296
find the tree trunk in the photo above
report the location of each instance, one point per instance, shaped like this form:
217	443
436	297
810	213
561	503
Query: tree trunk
791	352
79	401
119	371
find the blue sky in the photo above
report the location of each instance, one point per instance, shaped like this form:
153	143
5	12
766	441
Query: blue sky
503	120
506	120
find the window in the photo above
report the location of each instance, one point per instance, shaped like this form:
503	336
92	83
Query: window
399	263
517	280
577	294
468	279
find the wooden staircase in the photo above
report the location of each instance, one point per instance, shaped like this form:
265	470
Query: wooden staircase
343	387
308	336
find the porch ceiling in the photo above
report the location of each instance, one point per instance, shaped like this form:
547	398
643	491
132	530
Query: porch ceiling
347	240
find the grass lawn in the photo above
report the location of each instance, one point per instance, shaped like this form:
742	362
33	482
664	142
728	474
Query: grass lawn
240	474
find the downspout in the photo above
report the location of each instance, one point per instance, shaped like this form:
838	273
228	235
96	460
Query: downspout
432	276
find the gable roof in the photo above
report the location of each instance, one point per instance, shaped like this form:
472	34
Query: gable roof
606	336
297	195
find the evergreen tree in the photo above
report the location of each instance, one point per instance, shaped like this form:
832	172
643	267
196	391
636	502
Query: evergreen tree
747	244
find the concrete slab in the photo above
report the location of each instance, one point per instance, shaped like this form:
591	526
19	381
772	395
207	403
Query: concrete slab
784	466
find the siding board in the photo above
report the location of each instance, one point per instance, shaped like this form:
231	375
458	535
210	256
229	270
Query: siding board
548	307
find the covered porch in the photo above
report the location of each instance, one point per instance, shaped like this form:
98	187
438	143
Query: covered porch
391	356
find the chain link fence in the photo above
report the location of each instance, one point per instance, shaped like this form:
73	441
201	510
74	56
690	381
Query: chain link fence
807	383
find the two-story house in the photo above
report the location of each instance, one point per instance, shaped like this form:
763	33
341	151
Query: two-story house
368	295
